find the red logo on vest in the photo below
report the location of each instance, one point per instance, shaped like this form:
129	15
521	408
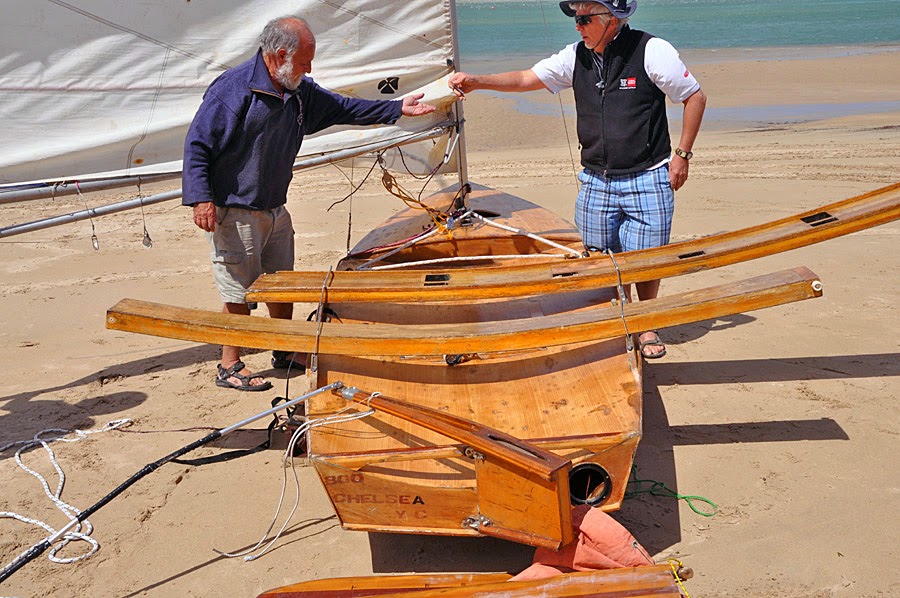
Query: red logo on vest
629	83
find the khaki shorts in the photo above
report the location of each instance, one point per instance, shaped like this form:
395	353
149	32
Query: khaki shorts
247	244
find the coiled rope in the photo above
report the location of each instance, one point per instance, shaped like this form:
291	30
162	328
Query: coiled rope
82	531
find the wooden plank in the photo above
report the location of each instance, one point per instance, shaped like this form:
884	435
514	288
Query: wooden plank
358	587
489	442
436	284
462	338
632	582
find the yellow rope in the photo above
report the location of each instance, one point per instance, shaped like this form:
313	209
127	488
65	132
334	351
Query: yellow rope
675	564
438	217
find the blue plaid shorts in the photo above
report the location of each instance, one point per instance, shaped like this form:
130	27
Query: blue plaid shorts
625	212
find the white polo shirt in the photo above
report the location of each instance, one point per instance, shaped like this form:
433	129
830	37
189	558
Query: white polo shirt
661	62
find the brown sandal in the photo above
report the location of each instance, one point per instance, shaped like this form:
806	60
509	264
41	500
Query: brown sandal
234	371
654	342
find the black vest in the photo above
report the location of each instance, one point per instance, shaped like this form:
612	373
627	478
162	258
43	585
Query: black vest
622	127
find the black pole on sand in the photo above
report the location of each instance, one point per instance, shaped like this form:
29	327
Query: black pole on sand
38	549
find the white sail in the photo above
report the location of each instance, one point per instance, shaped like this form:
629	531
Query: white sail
99	88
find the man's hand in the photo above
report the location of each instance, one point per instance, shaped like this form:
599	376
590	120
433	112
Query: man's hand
205	215
678	172
412	107
461	84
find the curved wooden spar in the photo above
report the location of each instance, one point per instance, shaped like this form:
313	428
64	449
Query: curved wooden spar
834	220
470	337
652	581
510	451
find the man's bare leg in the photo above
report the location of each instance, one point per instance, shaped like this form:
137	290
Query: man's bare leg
231	355
649	290
285	311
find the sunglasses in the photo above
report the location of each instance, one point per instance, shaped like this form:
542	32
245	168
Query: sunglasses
583	20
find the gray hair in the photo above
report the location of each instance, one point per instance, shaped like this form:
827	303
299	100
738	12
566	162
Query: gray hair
576	6
281	33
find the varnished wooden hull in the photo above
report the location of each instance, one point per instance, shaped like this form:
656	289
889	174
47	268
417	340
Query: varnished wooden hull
536	407
582	401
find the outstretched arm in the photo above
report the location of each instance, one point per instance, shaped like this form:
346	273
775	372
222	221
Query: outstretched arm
693	116
412	106
463	83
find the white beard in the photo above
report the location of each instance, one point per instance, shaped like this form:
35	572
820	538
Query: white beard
283	76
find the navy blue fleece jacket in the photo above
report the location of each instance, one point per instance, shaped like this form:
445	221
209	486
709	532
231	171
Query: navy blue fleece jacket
245	136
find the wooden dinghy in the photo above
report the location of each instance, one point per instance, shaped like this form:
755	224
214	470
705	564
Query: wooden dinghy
506	411
489	416
657	581
436	283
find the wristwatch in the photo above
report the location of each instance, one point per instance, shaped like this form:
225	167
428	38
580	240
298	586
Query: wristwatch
683	154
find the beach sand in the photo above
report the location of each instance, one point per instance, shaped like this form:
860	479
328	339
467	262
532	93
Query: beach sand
786	418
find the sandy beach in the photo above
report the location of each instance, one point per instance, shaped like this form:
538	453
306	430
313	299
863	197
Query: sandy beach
786	418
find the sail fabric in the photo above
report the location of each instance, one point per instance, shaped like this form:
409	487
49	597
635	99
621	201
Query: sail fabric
97	88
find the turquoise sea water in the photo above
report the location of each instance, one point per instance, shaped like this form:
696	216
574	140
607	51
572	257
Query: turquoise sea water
524	31
514	34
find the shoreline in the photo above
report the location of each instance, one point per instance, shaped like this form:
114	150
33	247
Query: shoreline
785	417
695	56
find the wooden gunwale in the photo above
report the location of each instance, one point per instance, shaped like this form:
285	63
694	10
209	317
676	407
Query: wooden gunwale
466	337
844	217
357	459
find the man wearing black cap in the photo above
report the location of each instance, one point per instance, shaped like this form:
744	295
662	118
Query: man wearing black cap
621	78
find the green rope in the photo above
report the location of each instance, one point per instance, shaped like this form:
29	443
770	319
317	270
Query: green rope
660	489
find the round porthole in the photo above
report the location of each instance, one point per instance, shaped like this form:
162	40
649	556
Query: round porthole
589	484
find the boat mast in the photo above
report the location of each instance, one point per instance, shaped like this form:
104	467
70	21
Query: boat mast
463	167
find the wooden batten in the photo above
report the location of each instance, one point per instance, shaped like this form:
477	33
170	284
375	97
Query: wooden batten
438	338
472	283
655	581
349	587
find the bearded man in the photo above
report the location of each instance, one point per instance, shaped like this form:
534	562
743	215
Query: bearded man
238	159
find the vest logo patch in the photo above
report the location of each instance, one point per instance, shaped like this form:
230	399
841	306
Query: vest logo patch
629	83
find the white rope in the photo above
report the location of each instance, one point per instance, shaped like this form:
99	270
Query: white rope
288	458
82	531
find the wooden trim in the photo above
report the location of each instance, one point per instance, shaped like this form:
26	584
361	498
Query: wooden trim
471	337
356	460
635	582
834	220
373	585
488	441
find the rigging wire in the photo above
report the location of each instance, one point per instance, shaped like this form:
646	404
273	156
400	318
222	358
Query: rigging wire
94	241
288	459
365	178
562	111
146	241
